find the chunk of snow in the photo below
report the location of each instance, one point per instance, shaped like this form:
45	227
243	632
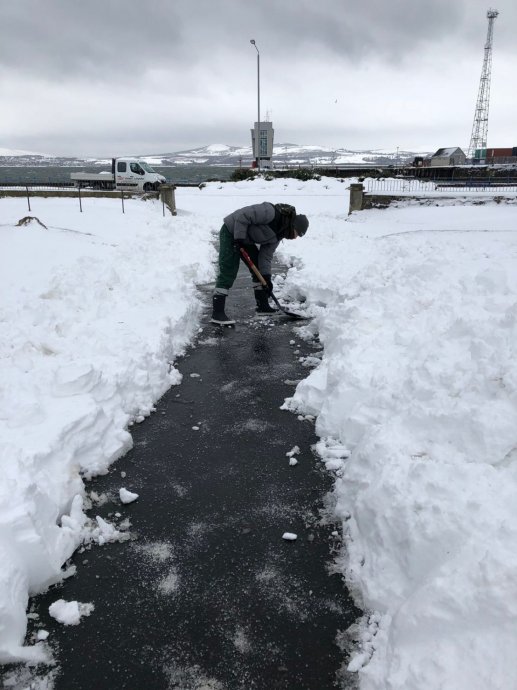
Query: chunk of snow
105	532
127	496
289	536
333	465
69	612
357	662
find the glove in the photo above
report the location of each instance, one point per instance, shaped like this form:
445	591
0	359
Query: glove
237	245
269	288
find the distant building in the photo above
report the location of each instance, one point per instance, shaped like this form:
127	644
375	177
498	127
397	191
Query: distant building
506	156
265	148
450	156
422	161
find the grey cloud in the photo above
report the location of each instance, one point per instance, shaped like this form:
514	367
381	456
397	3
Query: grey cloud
59	37
395	29
78	72
120	39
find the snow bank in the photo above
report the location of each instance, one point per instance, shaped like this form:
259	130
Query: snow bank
416	399
94	310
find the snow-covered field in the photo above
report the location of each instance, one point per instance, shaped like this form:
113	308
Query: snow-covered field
95	307
415	398
416	404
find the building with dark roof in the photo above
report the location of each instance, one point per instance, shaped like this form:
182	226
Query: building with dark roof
450	156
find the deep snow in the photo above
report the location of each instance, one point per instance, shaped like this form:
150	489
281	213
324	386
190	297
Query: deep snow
415	400
95	308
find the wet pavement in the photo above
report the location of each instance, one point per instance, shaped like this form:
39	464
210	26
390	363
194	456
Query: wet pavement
206	595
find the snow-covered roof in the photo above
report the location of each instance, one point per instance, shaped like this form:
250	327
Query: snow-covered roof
448	152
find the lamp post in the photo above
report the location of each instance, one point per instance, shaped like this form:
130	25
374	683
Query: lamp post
257	128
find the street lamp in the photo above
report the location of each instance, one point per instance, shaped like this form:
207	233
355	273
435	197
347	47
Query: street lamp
257	128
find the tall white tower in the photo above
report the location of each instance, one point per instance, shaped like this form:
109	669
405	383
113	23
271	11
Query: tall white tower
477	148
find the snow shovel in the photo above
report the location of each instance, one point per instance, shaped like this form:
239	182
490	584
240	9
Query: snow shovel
246	258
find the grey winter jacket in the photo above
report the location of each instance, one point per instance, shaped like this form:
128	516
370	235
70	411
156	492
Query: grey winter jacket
250	224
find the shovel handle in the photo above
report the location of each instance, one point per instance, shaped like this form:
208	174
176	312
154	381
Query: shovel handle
255	270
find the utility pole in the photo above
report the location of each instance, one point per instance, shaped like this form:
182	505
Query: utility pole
478	137
257	126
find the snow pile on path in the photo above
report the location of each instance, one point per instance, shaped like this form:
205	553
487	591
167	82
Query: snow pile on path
95	308
69	612
416	399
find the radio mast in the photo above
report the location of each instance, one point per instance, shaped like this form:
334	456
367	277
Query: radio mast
480	126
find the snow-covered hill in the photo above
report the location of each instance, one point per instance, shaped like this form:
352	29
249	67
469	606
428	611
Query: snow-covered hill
17	152
222	154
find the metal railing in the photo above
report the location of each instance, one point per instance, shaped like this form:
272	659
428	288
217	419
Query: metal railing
37	186
404	186
35	190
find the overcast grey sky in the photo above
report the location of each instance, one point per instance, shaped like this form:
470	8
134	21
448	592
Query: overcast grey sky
108	77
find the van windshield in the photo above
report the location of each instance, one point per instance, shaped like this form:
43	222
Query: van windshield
146	167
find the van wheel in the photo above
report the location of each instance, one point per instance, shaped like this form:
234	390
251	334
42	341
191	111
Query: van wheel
148	187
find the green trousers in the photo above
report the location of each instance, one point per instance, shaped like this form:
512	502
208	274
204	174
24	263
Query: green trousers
229	261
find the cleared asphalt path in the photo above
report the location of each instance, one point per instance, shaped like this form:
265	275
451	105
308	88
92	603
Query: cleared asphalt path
207	595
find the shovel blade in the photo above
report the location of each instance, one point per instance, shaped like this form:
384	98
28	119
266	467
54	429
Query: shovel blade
292	315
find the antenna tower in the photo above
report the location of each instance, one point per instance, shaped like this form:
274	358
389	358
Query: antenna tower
480	126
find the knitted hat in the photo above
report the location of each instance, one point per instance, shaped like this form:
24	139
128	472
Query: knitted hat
301	223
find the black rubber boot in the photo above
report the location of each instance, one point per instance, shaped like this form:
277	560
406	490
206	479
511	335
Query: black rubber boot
218	315
263	306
